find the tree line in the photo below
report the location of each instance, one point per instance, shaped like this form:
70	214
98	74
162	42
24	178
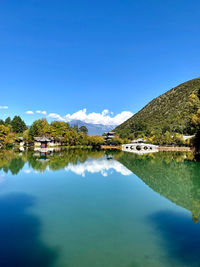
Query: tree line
11	130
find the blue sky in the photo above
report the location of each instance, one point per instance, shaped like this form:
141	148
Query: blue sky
65	56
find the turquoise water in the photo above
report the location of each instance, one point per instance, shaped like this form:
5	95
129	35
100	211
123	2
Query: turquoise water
94	208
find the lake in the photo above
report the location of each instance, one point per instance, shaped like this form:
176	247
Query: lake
82	208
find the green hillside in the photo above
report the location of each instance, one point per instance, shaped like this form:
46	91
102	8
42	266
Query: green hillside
170	111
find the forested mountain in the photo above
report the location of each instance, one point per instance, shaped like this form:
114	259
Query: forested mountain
170	111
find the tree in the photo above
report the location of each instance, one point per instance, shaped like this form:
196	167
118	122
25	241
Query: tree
95	140
39	128
8	121
155	137
198	94
83	139
71	137
76	127
2	122
18	125
195	104
165	128
116	141
59	128
178	139
83	129
6	136
167	138
26	136
139	127
196	142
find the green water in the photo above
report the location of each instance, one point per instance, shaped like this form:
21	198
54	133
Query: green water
80	208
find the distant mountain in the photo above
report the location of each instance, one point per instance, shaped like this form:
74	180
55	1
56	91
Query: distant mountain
169	111
93	129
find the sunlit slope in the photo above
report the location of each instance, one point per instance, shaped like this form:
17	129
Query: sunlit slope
170	109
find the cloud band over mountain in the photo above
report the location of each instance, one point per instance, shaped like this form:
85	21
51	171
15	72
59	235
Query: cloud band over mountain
106	117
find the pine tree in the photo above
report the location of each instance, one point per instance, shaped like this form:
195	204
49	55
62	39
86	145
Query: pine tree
18	125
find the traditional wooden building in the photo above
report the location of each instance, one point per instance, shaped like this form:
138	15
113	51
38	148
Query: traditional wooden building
109	136
44	142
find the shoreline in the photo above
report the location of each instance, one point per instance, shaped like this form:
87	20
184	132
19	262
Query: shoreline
160	148
175	148
111	147
108	147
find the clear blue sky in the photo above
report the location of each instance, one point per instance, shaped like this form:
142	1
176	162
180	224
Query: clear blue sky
63	56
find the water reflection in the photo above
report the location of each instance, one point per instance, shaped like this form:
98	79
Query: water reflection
106	219
41	161
102	166
172	175
77	161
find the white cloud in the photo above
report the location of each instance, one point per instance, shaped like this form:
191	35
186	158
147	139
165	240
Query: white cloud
29	112
43	112
98	165
56	116
3	107
105	117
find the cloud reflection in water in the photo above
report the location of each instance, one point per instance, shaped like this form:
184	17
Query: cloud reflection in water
101	165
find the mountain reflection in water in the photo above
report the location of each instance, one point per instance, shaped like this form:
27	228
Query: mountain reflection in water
53	217
173	175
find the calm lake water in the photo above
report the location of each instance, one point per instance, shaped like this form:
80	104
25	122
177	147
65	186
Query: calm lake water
80	208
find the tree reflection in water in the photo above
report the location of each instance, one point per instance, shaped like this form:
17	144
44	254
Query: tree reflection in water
173	175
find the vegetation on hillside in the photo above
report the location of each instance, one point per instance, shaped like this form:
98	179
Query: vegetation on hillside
167	114
195	121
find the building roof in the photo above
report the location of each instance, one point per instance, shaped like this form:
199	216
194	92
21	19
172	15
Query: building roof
110	133
42	139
